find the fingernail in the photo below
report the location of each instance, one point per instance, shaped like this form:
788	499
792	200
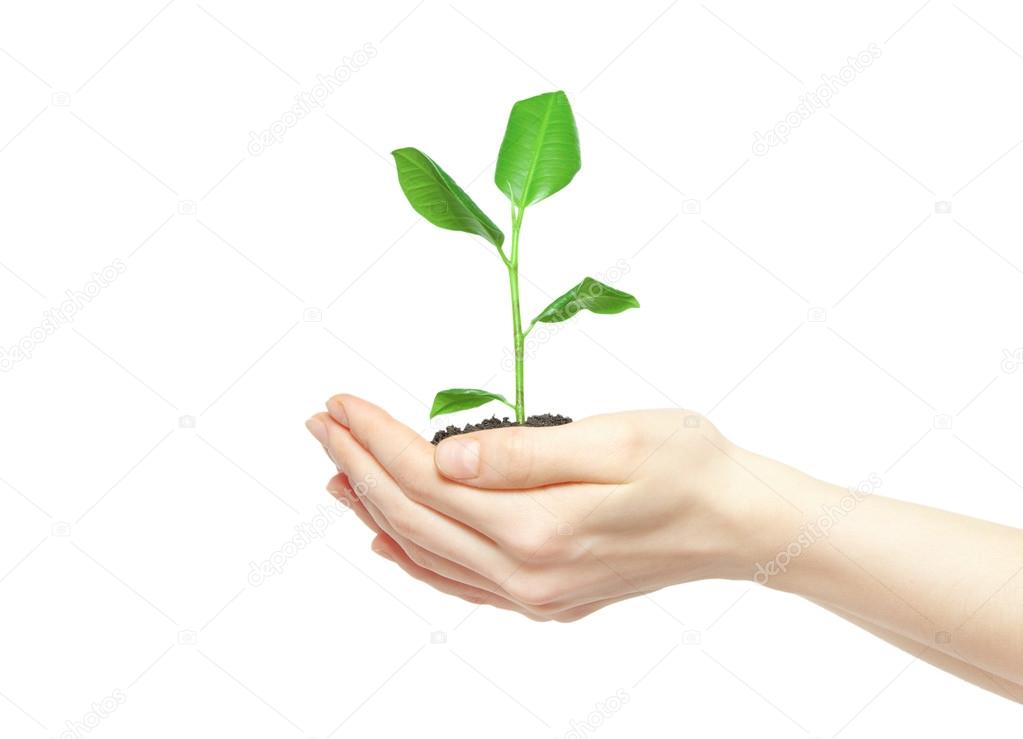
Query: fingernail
459	459
337	411
382	552
318	429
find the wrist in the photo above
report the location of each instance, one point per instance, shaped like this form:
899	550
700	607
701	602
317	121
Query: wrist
761	510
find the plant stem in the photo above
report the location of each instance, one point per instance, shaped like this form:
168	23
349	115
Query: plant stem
519	337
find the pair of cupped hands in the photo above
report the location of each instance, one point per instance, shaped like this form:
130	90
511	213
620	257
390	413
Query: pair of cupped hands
553	523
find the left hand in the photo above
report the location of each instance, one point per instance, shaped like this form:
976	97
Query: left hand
607	508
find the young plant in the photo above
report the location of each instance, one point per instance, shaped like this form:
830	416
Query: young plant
539	156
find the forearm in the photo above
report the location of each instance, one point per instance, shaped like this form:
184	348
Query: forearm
949	582
927	653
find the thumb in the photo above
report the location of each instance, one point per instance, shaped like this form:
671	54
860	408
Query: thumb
525	457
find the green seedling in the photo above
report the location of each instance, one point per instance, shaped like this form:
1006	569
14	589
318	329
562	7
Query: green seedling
539	156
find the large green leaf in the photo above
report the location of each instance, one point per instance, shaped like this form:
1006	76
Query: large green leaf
437	198
588	295
460	399
540	151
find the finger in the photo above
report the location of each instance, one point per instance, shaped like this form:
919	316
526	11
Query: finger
317	428
574	614
340	489
502	518
420	524
408	459
386	542
591	450
427	559
368	513
486	592
389	549
394	444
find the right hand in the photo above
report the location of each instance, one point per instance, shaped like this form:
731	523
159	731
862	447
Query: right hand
555	521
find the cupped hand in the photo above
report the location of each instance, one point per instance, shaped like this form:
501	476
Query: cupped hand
551	522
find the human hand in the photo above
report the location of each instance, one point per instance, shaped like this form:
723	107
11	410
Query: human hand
551	522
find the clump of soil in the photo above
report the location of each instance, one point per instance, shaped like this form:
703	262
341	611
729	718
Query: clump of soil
494	422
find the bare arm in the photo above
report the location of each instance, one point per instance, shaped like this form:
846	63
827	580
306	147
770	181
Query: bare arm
556	523
956	666
948	582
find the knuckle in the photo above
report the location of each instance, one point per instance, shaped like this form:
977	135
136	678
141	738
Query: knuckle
634	438
412	489
404	525
568	617
532	591
418	483
475	597
519	592
518	457
546	611
363	491
529	542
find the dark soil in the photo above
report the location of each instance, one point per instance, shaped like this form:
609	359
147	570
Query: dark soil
496	423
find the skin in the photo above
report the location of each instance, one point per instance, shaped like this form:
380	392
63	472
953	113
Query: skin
556	523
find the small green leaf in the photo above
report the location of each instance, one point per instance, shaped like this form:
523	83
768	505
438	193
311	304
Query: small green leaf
540	151
588	295
460	399
437	198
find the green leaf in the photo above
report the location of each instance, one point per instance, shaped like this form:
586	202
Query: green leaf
437	198
460	399
588	295
540	151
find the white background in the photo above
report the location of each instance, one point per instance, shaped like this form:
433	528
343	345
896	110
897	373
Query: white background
817	307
